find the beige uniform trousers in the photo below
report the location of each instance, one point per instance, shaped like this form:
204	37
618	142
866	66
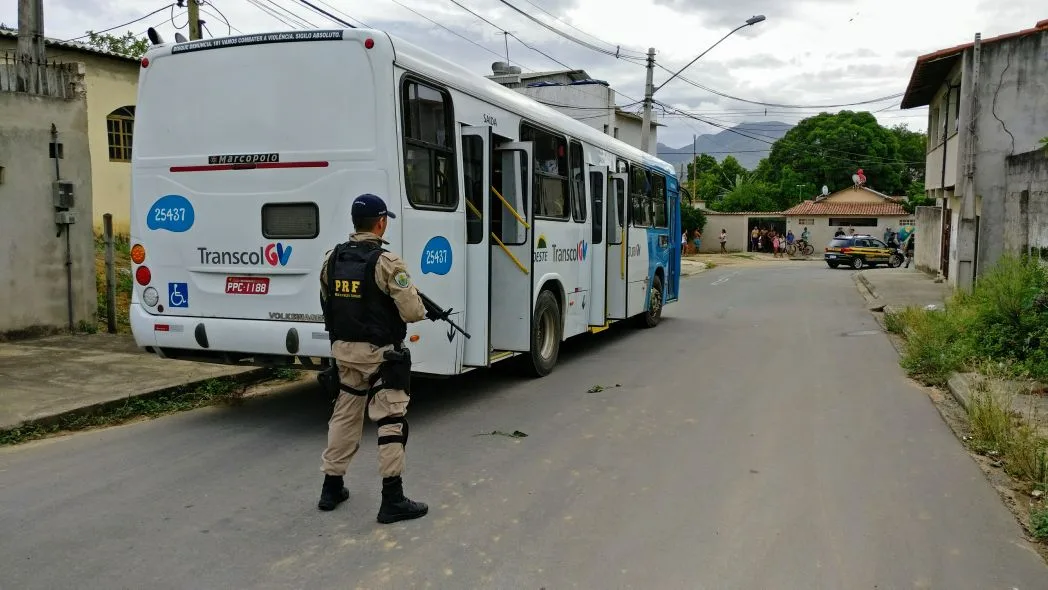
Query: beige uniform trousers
357	362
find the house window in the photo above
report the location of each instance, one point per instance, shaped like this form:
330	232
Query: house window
429	147
120	126
853	222
551	173
616	133
605	129
905	222
808	221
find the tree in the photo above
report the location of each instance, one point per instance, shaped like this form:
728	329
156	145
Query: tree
129	44
747	193
828	148
704	178
692	219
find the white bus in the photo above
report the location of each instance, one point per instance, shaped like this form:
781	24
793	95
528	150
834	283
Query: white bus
249	150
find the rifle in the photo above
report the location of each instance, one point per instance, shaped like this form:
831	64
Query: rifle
432	307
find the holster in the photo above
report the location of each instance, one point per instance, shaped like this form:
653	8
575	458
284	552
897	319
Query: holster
396	370
329	381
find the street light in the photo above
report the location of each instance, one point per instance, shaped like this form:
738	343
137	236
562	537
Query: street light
650	90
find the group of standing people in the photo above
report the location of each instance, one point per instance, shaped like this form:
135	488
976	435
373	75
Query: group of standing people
770	241
691	241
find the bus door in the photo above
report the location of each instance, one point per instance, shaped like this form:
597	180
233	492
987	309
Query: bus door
616	251
598	186
433	253
511	247
476	173
638	254
673	194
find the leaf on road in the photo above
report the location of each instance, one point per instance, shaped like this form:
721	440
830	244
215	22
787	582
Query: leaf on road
514	434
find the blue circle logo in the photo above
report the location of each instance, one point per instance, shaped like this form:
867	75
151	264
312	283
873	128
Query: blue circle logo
436	256
173	213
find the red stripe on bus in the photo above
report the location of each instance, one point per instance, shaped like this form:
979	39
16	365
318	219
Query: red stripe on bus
220	167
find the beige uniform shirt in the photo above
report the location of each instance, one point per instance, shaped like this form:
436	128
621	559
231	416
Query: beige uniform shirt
391	276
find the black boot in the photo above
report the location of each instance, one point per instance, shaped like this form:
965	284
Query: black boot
395	506
333	493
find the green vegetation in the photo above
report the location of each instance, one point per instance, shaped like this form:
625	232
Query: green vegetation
127	44
822	150
1004	320
692	219
1039	523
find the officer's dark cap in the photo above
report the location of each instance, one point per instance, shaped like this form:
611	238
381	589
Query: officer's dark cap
369	206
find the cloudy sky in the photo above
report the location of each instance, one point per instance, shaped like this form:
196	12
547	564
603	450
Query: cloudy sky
807	53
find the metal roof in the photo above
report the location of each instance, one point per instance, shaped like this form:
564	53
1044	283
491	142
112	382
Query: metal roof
931	69
71	45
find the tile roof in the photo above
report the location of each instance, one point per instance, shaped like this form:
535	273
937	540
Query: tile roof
72	45
932	68
847	209
749	213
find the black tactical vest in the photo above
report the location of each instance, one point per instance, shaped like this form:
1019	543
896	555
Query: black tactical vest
356	310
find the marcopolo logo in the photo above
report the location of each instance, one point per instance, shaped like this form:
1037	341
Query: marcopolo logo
576	253
276	254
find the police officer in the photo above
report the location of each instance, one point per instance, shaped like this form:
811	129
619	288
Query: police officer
368	299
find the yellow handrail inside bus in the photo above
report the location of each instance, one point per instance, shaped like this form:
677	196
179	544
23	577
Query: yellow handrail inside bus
506	204
474	210
516	260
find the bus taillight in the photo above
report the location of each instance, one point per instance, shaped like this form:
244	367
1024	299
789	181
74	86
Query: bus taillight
138	254
143	276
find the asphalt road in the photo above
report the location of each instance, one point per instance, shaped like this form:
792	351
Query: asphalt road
762	437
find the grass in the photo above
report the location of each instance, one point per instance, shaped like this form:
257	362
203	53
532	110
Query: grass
122	263
221	390
1004	319
1000	432
1039	523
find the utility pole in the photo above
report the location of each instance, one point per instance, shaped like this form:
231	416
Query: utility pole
30	46
194	20
966	232
649	90
694	165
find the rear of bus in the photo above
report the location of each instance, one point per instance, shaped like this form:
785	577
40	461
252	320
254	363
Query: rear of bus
248	153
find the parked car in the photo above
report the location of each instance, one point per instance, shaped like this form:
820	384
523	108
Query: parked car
859	251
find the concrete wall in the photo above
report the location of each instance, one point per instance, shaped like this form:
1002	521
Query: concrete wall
736	226
110	83
1026	204
32	269
1012	117
822	232
928	242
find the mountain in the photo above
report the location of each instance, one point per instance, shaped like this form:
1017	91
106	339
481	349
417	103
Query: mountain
732	142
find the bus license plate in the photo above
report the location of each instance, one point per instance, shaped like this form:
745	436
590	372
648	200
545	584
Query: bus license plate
247	285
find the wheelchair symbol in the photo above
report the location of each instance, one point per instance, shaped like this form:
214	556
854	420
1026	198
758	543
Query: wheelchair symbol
178	295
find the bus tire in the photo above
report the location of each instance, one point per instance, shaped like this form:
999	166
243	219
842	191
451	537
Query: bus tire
655	300
546	332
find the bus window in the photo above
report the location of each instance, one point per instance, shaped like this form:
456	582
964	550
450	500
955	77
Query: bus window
597	198
429	147
551	173
509	179
640	197
658	202
616	198
578	184
473	175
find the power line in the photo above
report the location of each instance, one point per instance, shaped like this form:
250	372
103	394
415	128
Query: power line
874	159
230	27
130	22
505	32
570	38
330	16
296	21
456	33
333	9
617	47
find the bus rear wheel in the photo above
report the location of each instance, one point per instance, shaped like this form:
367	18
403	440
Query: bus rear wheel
545	335
654	312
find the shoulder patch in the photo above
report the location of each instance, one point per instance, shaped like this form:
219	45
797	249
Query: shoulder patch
401	278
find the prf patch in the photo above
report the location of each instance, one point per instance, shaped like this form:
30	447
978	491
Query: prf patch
344	288
401	278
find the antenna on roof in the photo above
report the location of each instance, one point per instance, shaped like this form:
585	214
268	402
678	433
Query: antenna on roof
179	37
154	37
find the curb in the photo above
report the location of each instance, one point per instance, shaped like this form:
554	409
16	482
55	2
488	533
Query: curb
252	377
960	389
